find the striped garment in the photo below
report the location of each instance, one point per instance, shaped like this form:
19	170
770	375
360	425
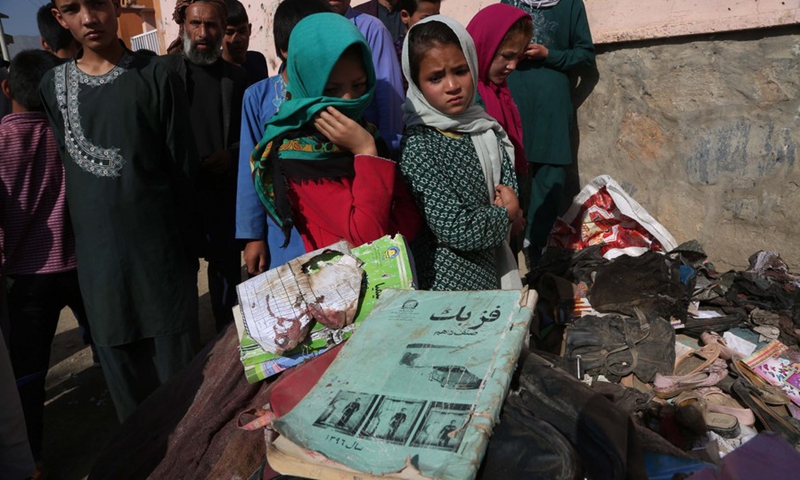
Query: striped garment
35	230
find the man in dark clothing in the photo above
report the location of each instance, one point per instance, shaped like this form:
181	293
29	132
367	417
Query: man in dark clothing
444	434
398	419
387	12
348	412
236	41
215	89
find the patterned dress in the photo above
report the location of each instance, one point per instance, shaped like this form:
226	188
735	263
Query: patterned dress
457	252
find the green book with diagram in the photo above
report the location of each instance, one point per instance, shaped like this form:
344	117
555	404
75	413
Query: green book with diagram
414	393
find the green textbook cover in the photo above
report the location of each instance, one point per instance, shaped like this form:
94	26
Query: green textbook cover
423	378
385	263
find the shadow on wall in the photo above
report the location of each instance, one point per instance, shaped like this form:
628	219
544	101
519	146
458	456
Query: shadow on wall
582	83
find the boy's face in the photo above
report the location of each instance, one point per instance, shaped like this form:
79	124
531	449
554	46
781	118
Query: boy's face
93	23
339	6
236	41
424	10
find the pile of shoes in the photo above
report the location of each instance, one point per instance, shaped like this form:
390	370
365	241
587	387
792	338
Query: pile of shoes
653	325
645	355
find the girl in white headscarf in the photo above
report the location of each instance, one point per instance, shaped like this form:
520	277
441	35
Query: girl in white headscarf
459	164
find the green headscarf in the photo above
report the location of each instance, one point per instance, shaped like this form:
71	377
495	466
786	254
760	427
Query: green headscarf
315	45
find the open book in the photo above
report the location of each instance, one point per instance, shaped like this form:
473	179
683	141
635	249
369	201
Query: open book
414	393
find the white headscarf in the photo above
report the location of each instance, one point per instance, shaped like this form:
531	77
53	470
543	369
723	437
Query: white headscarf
487	135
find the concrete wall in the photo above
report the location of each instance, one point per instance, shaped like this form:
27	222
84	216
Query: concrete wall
626	20
611	20
704	133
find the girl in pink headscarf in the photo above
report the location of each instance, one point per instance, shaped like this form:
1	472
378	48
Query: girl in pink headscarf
501	34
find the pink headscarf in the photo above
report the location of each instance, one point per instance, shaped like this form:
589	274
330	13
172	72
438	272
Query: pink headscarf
488	27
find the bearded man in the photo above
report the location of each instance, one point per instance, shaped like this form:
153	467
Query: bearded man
215	89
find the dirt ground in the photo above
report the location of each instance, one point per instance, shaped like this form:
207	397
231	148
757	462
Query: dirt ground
79	415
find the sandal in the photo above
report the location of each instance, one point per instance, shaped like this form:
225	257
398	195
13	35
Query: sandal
726	352
776	418
724	424
710	375
771	394
697	360
718	401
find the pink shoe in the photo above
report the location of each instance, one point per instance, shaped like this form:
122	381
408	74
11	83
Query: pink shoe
720	402
726	352
667	386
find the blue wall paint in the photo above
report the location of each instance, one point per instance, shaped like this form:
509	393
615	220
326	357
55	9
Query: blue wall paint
740	149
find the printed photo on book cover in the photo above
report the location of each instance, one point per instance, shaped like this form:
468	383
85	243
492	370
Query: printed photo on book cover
442	426
346	412
393	419
434	360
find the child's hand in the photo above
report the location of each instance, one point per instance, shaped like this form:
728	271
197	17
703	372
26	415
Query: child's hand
345	132
498	202
536	52
506	197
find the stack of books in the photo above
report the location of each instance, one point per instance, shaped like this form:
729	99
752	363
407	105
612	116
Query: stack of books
385	264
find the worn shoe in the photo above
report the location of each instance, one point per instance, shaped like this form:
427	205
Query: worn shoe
724	424
709	375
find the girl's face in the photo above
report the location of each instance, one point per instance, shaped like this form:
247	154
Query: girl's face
348	79
445	79
507	57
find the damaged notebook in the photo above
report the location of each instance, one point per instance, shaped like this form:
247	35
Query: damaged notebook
294	312
414	393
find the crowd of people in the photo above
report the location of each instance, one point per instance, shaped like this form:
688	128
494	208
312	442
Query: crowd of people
120	169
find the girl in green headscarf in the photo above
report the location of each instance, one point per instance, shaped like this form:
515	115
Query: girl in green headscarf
320	167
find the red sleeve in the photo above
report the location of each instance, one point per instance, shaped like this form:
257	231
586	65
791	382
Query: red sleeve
356	209
406	218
